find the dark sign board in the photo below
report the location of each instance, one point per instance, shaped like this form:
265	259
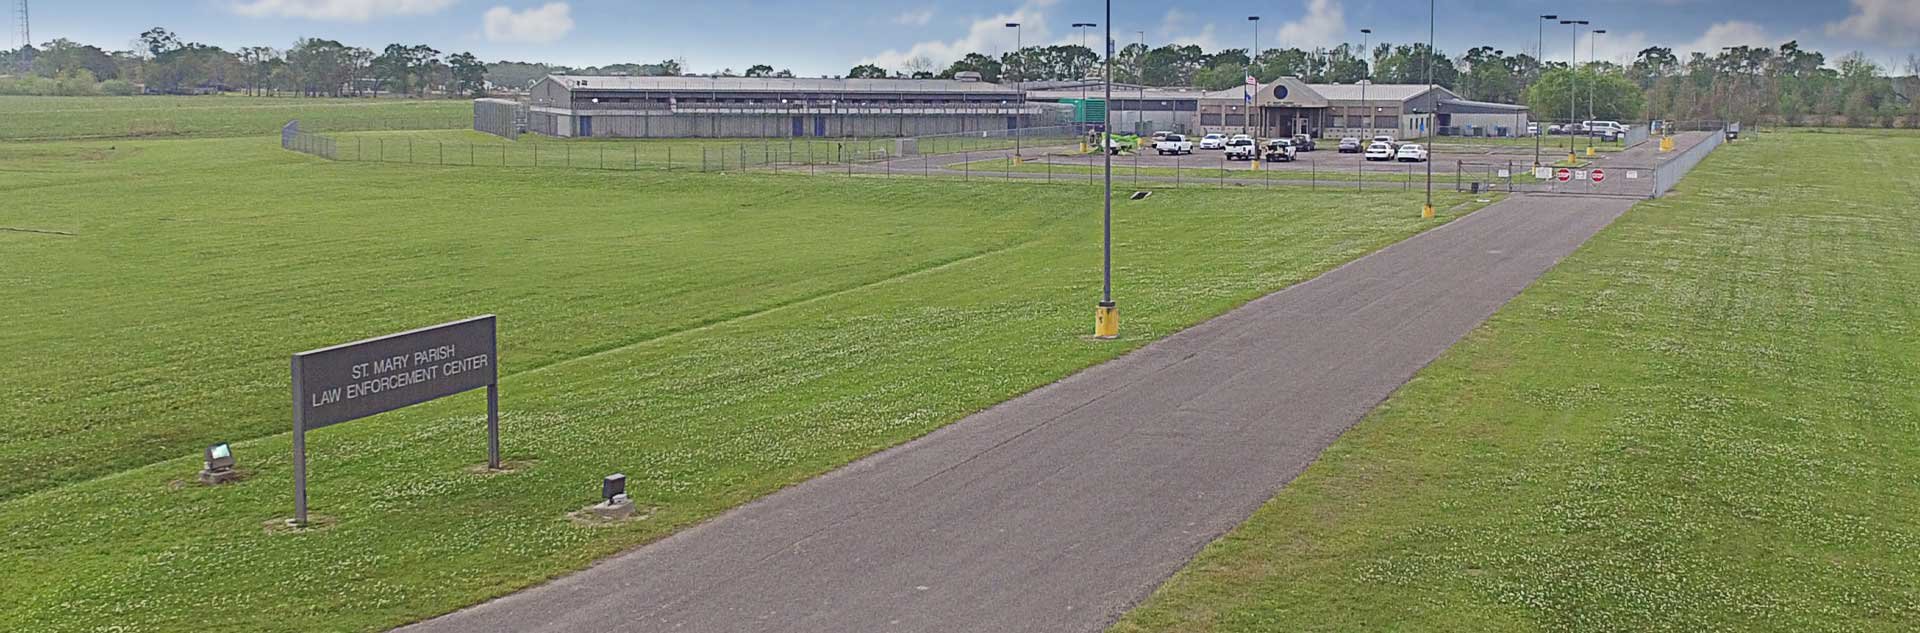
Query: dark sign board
356	380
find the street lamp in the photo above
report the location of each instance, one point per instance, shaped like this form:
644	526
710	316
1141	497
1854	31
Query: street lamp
1255	82
1539	63
1573	86
1106	316
1433	117
1082	78
1359	168
1593	55
1018	86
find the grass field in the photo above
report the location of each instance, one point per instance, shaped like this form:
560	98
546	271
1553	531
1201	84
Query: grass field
46	118
714	336
1707	419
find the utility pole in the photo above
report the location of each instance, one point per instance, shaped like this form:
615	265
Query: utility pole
1139	76
1254	83
1019	85
1366	133
1593	55
1540	67
1573	87
1433	114
1082	79
1106	317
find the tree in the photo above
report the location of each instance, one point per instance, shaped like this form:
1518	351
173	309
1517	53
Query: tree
988	67
64	56
159	41
760	70
1612	96
918	67
259	61
867	71
469	75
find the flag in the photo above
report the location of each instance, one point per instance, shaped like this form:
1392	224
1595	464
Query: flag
1249	95
1253	85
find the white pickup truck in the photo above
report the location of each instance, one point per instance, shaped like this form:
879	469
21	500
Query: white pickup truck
1242	149
1174	144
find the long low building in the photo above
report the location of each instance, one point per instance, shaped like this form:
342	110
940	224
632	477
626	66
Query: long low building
724	107
1290	106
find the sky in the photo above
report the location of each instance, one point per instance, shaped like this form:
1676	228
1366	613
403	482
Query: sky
827	37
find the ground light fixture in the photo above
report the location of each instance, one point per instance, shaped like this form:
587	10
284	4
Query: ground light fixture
218	465
613	488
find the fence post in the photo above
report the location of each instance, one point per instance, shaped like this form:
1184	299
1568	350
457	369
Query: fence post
1458	166
409	150
669	158
383	149
1176	170
966	165
536	155
1223	171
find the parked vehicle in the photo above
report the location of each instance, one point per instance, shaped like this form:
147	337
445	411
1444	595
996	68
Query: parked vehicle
1242	148
1351	145
1213	141
1281	150
1174	144
1304	142
1609	130
1386	139
1161	135
1533	129
1411	153
1379	151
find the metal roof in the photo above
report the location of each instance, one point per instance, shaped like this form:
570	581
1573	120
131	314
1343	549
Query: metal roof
776	84
1467	106
1130	94
1382	92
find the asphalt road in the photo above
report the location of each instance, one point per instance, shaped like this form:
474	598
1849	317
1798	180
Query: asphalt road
1059	510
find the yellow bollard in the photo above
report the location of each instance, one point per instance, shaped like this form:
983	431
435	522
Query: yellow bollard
1106	321
1256	164
1572	159
1083	147
1666	143
1426	211
1590	153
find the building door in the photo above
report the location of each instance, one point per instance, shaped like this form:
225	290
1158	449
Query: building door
820	126
799	126
1013	123
586	126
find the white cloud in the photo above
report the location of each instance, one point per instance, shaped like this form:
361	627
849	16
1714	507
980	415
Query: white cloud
1734	33
1323	26
1176	29
339	10
1895	22
917	17
547	23
986	36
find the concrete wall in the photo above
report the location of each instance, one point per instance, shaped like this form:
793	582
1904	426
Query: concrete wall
1516	124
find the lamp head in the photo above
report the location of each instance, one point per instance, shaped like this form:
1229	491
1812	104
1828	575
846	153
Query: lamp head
614	485
220	456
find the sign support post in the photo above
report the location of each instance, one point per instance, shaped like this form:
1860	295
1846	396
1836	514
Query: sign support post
364	378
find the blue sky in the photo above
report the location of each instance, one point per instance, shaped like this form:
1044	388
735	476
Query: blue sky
815	37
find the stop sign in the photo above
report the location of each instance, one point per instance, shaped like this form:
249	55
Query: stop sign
1563	175
1599	176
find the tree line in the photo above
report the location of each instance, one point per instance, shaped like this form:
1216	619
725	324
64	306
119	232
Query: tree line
1788	84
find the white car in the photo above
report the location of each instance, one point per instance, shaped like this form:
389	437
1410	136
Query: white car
1386	139
1379	151
1411	153
1533	129
1213	141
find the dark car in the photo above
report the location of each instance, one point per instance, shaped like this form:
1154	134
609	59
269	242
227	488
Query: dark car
1350	145
1304	143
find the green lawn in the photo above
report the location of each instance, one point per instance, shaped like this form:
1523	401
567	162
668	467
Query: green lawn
467	147
714	336
1707	419
45	118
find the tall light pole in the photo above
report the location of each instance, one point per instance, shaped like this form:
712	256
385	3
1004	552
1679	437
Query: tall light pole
1082	79
1593	55
1573	87
1540	66
1433	114
1255	83
1359	167
1106	317
1019	85
1139	77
